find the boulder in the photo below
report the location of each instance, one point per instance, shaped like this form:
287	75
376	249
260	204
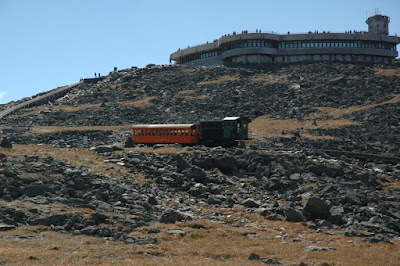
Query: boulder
57	219
171	216
294	216
251	203
35	189
317	208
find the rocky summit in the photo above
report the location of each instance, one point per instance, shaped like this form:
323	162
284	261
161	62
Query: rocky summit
324	153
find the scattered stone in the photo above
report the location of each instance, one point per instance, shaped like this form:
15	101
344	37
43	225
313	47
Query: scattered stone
253	256
316	248
271	261
176	232
6	227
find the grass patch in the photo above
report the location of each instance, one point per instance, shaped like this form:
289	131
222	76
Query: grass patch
205	243
219	80
264	126
74	156
200	97
35	110
52	129
186	92
190	70
338	112
387	72
270	79
145	102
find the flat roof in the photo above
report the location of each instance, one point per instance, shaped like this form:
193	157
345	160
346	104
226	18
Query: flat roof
154	126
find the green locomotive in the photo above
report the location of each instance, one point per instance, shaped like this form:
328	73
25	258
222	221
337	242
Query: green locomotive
226	132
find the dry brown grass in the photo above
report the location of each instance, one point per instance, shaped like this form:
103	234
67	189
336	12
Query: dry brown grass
74	156
186	92
187	95
335	112
52	129
57	108
145	102
219	80
200	97
205	243
264	126
270	79
387	72
190	70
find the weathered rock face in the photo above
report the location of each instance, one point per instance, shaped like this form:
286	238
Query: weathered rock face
352	200
176	94
294	186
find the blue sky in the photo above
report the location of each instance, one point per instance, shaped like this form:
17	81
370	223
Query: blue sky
45	44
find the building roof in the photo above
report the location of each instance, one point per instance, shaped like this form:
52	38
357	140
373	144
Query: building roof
158	126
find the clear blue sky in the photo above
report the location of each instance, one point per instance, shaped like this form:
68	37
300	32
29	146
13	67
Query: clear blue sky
49	43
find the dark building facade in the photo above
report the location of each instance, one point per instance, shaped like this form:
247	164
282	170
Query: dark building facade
374	45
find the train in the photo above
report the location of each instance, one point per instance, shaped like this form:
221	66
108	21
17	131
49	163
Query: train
227	132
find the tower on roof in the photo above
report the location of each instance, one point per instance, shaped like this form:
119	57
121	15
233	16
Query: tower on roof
378	24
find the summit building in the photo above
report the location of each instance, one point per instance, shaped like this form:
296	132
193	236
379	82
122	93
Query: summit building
374	45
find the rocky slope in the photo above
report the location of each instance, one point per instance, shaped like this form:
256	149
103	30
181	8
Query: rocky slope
349	107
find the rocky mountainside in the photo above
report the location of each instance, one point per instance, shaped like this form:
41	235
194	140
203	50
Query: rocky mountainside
110	190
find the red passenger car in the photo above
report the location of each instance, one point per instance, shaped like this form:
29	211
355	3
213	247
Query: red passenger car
166	134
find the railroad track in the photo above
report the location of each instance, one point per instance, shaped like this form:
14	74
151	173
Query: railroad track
42	98
355	155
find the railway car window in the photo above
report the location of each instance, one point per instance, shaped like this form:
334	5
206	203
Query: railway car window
175	132
135	132
186	132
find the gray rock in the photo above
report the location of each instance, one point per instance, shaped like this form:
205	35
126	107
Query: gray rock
182	163
90	230
171	216
6	227
317	208
336	215
196	173
251	203
294	216
270	261
35	189
57	219
253	256
176	232
317	248
103	149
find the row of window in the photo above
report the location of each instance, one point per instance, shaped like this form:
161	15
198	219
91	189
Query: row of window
336	57
163	132
249	44
345	44
289	44
197	56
